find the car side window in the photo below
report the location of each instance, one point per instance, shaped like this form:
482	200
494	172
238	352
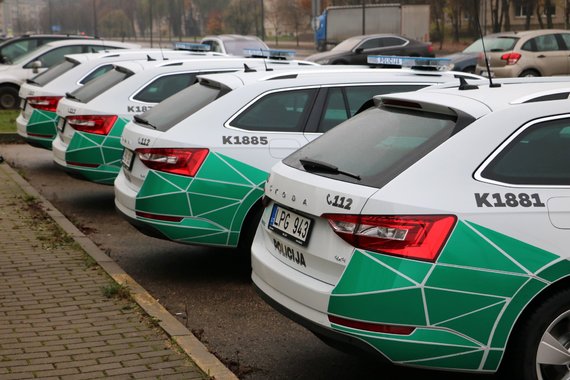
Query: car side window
547	42
540	155
165	86
335	109
372	43
566	39
283	111
17	49
96	73
392	41
55	56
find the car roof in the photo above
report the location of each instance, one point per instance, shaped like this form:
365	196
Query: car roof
485	98
526	33
232	37
156	54
318	75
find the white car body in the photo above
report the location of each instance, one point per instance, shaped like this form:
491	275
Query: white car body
39	60
96	156
47	87
501	249
264	117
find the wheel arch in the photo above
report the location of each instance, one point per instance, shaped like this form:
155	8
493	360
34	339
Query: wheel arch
553	288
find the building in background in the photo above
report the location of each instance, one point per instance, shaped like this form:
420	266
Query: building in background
21	16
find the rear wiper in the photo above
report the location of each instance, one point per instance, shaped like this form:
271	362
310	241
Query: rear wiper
323	167
140	120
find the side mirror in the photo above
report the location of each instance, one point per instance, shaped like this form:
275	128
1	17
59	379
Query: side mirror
359	50
36	66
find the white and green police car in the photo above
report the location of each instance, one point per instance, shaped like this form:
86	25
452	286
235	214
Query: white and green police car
195	165
432	230
92	118
37	121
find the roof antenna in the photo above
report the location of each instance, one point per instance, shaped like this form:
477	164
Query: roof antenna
149	58
463	85
248	69
491	84
162	54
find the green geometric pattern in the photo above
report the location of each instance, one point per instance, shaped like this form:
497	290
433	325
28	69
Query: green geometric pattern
463	306
42	123
105	151
213	204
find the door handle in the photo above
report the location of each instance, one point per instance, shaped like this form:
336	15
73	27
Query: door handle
541	56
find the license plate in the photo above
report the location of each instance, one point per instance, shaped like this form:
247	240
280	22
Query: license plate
61	125
128	158
290	225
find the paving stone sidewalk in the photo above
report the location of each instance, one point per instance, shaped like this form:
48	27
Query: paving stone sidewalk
61	315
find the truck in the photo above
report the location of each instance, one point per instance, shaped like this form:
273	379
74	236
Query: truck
338	23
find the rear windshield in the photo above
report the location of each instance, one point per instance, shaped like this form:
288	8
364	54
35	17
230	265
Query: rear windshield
500	43
178	107
99	85
377	145
53	72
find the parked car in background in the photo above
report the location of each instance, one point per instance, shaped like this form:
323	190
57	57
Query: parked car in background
466	60
233	44
527	54
355	50
13	48
39	60
436	236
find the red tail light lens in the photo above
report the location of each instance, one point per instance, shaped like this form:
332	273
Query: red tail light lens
44	103
368	326
97	124
511	58
183	161
419	237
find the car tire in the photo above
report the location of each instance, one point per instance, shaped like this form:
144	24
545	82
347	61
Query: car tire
8	97
540	350
530	73
248	229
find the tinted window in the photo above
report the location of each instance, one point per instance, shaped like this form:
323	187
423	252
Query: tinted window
371	44
546	43
96	87
165	86
96	73
538	156
377	144
282	111
342	103
11	52
55	56
392	41
54	72
178	107
500	43
566	38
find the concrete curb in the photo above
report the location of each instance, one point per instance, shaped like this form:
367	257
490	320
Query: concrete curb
10	138
191	346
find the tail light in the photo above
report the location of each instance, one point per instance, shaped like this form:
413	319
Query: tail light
511	58
183	161
419	237
430	48
97	124
44	103
368	326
